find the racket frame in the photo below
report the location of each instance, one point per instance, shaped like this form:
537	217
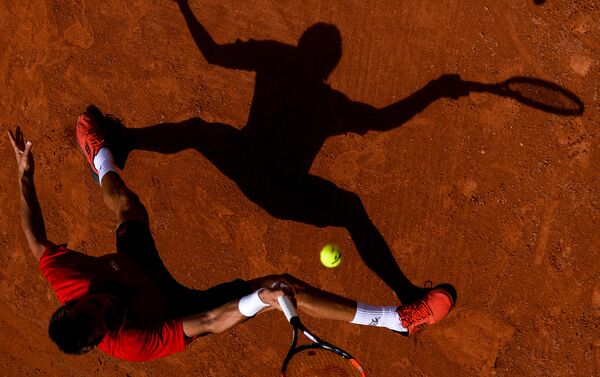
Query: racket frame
292	316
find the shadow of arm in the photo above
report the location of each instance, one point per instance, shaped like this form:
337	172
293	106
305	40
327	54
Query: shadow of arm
227	55
362	117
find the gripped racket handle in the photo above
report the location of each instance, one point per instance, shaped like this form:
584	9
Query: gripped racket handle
288	308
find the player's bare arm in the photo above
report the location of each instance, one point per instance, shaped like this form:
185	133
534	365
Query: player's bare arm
234	312
32	220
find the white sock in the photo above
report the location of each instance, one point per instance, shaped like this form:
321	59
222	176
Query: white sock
379	316
104	162
250	305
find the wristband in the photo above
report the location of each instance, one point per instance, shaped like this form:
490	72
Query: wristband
251	304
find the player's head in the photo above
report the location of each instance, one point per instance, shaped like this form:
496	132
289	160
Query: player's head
321	45
81	324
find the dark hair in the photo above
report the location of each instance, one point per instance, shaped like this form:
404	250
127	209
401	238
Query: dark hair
72	331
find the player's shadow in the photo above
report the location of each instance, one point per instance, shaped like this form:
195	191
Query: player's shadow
293	112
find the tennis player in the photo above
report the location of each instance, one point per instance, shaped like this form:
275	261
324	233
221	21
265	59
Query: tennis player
129	306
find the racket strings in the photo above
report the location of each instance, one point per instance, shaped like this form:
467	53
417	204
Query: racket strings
321	363
539	94
548	97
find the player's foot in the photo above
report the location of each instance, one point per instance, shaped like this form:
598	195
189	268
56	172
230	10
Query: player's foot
91	135
95	130
432	308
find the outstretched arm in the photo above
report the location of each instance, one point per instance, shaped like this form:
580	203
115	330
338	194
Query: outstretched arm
362	117
32	220
237	55
227	316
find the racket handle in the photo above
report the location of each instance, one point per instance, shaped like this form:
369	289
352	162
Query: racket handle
473	86
288	308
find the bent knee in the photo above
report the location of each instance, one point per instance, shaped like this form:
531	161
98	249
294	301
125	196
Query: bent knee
131	208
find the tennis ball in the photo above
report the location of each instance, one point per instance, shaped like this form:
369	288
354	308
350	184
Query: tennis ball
331	255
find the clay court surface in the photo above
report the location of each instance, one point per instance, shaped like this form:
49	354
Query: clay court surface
495	197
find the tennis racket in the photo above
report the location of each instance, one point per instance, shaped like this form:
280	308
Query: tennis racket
533	92
317	358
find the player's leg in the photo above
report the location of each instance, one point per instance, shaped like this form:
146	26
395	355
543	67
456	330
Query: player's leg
96	136
121	200
404	319
93	134
321	304
326	305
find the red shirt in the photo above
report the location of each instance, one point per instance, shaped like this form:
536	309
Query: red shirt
155	334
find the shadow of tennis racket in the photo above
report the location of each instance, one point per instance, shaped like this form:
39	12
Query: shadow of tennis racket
537	93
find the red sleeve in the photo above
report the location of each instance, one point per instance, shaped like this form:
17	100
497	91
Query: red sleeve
64	269
145	344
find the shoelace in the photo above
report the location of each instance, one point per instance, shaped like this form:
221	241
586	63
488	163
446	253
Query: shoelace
415	313
95	136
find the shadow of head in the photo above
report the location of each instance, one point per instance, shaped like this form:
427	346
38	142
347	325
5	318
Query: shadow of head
321	47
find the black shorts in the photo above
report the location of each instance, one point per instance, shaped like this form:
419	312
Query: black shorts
135	240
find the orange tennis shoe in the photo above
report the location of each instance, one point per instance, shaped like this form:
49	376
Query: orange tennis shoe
91	136
434	307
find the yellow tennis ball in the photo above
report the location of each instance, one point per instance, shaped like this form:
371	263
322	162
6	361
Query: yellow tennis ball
331	255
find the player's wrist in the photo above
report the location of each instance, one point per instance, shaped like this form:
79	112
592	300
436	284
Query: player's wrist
251	304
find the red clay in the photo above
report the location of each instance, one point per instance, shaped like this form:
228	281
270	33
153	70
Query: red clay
495	197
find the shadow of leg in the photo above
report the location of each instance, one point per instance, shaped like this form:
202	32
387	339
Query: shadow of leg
377	255
218	142
283	193
314	200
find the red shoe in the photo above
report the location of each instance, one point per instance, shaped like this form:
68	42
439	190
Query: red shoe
436	305
91	135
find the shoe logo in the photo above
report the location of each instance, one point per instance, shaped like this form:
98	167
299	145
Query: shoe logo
114	265
374	321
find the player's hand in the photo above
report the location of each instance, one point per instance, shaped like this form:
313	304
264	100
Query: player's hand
23	153
270	295
450	86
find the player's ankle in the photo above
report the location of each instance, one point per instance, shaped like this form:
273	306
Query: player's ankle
104	163
379	316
